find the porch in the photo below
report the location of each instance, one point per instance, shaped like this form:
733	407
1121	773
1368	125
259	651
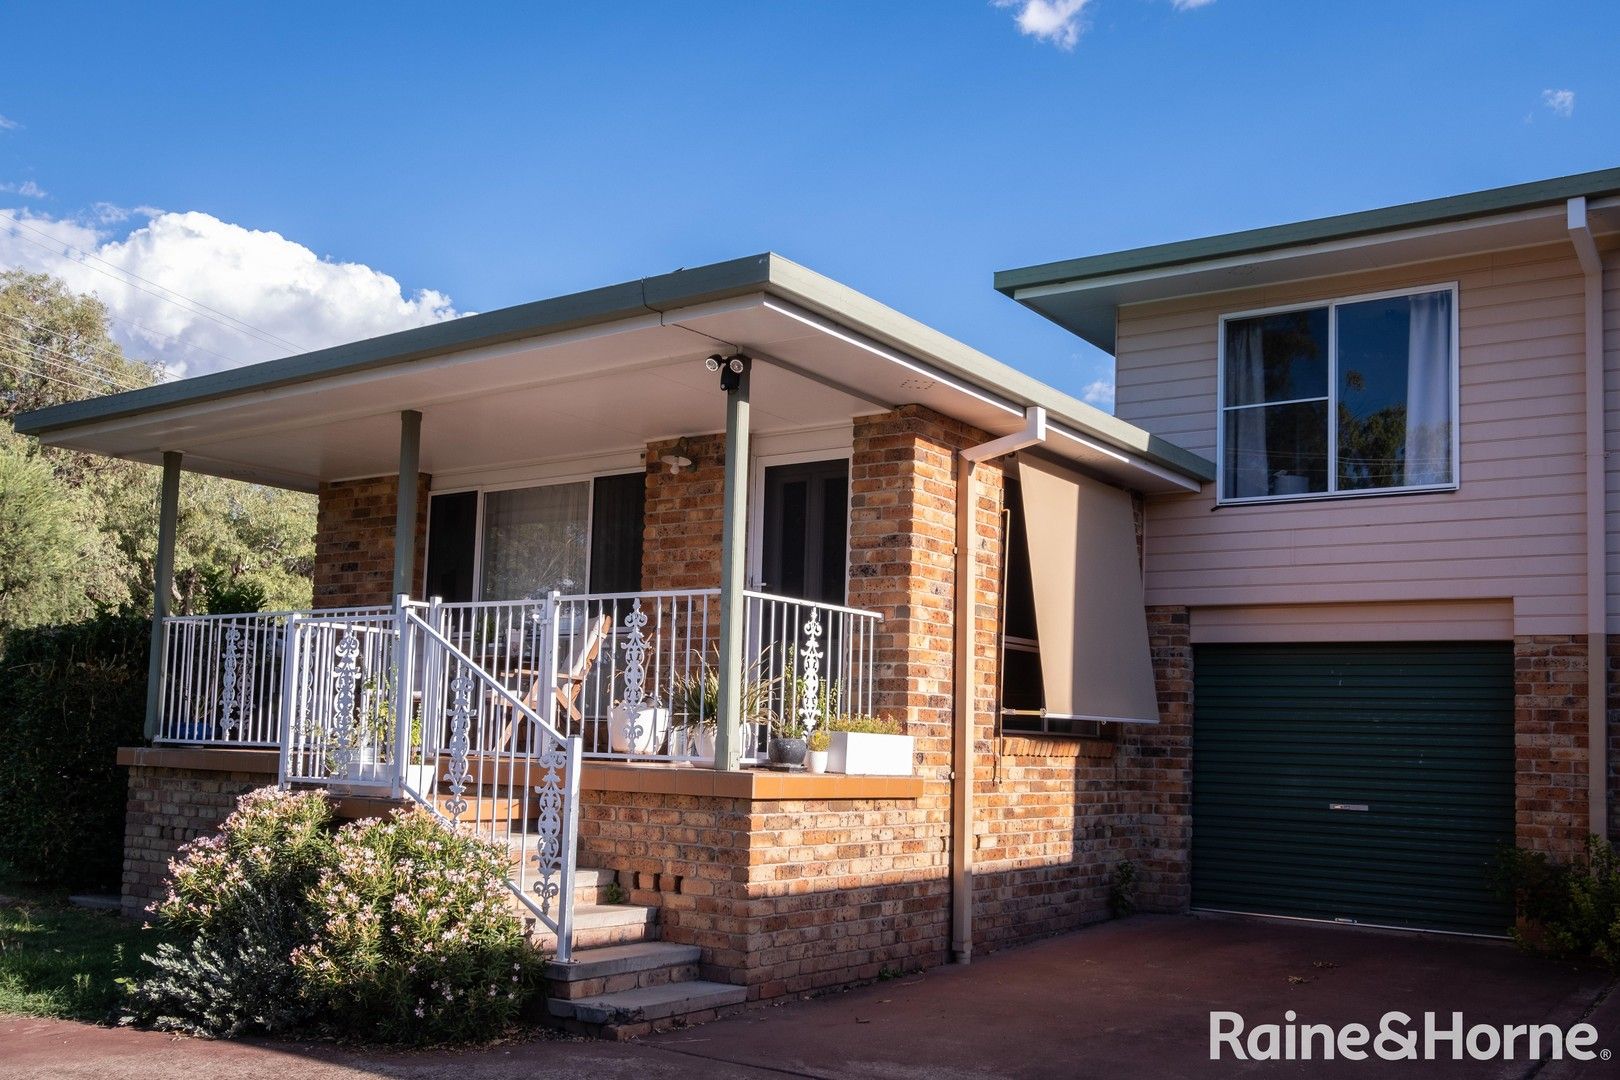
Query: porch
615	497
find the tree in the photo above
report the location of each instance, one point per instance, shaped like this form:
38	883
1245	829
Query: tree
53	560
235	540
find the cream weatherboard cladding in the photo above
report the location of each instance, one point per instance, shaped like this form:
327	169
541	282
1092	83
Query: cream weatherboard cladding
1512	530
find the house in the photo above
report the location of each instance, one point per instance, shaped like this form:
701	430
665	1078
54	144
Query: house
556	541
1398	589
1309	629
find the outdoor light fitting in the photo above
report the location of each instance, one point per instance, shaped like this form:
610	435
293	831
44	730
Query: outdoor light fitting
731	369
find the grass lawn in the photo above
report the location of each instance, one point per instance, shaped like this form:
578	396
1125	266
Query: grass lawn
61	961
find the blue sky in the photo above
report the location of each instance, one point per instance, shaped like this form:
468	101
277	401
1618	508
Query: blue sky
501	154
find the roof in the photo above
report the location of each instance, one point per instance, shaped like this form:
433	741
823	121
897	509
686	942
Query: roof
1162	260
140	423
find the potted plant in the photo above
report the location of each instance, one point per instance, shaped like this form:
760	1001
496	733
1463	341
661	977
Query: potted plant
642	731
694	706
787	746
864	745
815	760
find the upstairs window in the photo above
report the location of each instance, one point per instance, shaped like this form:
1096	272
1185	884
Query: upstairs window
1352	397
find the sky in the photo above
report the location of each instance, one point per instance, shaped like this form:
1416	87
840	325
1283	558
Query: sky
243	181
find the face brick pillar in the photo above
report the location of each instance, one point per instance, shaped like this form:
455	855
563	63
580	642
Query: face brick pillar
354	541
1550	744
1162	758
681	539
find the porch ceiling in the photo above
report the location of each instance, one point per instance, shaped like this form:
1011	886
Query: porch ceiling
585	390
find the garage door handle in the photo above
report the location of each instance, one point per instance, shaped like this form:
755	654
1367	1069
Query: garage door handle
1361	806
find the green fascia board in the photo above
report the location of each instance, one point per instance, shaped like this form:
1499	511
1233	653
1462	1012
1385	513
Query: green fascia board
1319	230
765	273
680	288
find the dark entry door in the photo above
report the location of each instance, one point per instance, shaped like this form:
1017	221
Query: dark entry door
804	543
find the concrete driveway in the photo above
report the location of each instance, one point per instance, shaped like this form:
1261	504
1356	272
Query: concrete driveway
1120	1000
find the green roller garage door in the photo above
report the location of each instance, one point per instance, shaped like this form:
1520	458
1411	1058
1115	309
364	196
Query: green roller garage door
1358	783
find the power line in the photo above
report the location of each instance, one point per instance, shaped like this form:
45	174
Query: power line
113	271
84	366
100	373
184	344
71	367
48	378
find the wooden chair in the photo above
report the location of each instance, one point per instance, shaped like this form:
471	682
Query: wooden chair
583	652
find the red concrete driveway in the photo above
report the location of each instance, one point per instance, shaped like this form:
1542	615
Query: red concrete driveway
1120	1000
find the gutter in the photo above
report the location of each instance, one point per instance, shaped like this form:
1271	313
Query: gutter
1597	742
962	758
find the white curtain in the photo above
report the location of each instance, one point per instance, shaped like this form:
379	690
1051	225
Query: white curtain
1245	358
535	540
1428	390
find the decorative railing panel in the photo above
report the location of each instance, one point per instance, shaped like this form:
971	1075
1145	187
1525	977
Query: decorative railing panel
488	764
223	677
341	692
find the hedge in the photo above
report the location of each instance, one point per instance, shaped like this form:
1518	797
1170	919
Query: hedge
69	697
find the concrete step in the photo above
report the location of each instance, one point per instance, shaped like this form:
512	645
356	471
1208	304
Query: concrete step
596	925
629	1013
608	970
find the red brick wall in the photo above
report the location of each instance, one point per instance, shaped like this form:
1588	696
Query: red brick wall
782	896
1550	743
1162	760
681	536
166	808
354	541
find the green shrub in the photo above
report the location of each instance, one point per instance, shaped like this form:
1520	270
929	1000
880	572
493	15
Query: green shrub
395	931
1567	910
243	897
1122	890
415	940
863	724
69	697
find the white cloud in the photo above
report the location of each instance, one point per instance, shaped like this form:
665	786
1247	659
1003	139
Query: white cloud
1190	5
1055	21
27	189
1099	393
1561	102
228	275
8	124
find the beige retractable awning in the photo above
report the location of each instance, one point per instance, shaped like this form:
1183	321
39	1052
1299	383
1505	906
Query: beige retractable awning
1089	609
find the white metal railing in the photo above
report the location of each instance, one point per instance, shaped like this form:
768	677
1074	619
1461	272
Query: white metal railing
636	674
488	764
223	676
341	692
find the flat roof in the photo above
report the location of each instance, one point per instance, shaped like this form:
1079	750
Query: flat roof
139	423
1163	261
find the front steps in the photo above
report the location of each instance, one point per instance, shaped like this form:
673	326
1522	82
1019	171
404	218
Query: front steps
623	991
623	982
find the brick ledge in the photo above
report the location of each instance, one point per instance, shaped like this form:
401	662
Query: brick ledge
653	778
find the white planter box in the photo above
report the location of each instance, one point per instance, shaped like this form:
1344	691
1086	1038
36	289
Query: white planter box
870	755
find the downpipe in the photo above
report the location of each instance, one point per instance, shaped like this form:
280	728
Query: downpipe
1597	651
965	668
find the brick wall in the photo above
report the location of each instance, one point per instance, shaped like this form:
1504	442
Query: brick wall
782	896
1550	743
681	535
166	808
1163	769
354	541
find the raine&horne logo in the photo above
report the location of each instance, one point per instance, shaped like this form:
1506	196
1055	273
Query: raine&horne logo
1398	1037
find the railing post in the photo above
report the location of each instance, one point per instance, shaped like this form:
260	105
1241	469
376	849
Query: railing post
570	851
548	706
289	693
402	693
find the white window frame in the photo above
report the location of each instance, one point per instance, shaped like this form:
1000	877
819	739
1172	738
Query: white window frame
1332	492
589	478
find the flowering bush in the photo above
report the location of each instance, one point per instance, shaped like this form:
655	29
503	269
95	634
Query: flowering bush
242	896
415	941
396	930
